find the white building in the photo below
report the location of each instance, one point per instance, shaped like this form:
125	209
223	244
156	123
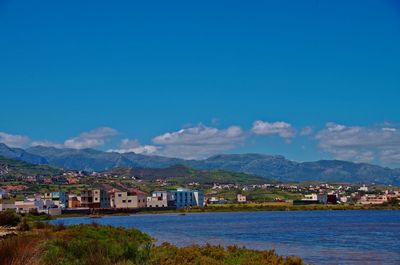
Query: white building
131	199
320	198
29	206
241	198
158	199
7	206
373	199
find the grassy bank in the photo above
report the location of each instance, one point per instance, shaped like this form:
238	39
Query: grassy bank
44	244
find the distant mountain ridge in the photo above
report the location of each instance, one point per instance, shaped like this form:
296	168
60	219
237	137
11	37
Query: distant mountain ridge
267	166
21	154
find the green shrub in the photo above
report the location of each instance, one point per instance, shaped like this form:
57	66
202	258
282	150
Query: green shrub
23	225
41	225
97	245
105	245
168	254
9	218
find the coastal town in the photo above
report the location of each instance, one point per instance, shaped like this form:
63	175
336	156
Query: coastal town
58	202
89	193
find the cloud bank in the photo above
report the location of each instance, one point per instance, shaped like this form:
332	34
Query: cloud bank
134	146
94	138
199	141
362	144
280	128
13	140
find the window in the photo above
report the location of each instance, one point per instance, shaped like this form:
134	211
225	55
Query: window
129	200
123	201
119	195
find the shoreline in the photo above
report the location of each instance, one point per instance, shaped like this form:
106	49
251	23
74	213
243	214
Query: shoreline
240	208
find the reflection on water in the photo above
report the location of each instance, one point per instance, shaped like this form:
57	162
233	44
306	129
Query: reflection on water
319	237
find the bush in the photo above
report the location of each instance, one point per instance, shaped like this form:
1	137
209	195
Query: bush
58	227
168	254
97	245
9	218
23	225
42	225
105	245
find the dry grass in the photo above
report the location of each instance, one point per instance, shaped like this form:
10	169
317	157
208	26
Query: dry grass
19	250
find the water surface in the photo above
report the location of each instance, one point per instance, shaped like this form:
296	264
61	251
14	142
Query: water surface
319	237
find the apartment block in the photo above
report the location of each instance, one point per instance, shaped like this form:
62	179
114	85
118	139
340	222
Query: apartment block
94	198
128	199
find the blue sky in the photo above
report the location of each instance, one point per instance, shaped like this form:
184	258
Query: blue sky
305	79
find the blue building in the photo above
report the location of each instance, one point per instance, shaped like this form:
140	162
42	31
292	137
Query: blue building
182	198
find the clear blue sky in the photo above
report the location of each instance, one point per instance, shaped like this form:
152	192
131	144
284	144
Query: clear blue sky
152	67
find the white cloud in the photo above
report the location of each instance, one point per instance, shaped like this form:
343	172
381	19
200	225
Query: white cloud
133	145
199	141
361	143
94	138
143	149
280	128
14	140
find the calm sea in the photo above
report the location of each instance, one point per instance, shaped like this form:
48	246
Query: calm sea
319	237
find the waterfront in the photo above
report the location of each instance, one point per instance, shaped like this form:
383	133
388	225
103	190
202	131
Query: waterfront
319	237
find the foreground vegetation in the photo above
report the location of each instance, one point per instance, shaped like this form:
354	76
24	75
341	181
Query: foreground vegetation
41	243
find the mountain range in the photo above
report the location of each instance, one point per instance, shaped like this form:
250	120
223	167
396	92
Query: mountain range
267	166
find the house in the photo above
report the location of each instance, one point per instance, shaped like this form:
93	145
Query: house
158	199
312	199
129	199
94	198
3	194
59	198
74	201
319	198
241	198
4	206
29	206
182	198
373	199
215	200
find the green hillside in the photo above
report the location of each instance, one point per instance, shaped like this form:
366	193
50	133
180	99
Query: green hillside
16	168
184	175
